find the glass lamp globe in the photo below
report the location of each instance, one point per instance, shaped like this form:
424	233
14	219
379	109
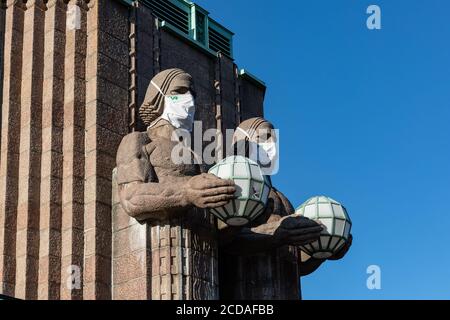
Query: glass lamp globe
252	190
335	220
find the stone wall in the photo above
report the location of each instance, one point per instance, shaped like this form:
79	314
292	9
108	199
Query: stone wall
2	42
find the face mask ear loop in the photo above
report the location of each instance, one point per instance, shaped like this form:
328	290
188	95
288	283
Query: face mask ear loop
162	93
247	142
157	88
244	132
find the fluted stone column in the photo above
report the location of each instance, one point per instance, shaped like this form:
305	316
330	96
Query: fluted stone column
27	237
73	149
2	41
9	157
52	157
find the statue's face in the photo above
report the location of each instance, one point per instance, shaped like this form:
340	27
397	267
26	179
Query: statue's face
180	112
153	106
181	86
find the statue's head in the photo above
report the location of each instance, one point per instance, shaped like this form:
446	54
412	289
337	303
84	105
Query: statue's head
170	82
256	139
255	130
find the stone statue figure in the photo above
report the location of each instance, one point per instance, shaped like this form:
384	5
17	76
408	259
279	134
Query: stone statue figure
262	260
171	198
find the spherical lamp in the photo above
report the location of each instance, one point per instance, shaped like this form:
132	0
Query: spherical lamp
335	220
252	190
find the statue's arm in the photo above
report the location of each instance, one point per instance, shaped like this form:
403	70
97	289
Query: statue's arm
149	200
306	264
140	197
277	227
152	200
259	238
143	197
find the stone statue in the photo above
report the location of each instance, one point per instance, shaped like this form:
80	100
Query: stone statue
172	197
262	261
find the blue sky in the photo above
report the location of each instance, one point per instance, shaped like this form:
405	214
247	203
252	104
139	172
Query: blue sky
363	118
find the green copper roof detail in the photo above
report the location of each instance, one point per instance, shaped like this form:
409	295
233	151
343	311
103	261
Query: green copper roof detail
193	21
193	24
167	26
245	74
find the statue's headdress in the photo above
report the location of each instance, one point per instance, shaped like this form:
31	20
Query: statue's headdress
167	80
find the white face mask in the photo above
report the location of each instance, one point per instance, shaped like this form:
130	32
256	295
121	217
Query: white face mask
265	154
179	109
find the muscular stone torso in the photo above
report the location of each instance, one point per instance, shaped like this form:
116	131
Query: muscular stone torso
181	243
159	150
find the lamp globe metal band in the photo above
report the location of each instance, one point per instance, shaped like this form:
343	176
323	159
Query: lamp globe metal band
335	220
252	190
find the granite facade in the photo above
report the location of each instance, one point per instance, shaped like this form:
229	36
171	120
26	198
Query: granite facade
69	96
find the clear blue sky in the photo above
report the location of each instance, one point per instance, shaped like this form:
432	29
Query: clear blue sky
363	118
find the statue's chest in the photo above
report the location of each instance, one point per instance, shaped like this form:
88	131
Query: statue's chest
171	160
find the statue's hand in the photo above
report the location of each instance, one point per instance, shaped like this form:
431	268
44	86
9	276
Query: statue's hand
296	230
208	191
342	251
